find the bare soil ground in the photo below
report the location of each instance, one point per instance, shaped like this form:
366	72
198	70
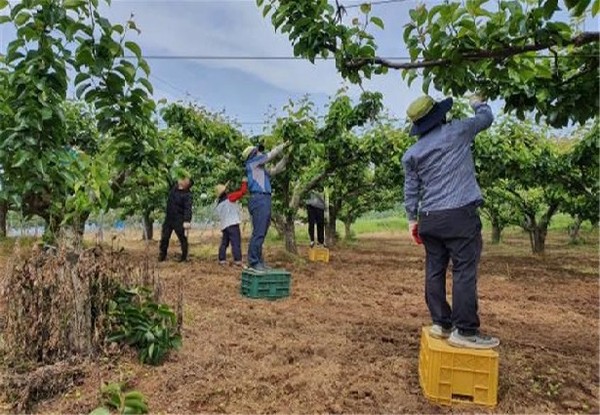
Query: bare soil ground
347	339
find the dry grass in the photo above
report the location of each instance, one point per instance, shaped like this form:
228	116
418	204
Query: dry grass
347	338
54	304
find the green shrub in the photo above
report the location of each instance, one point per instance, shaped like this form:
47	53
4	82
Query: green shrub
115	398
142	323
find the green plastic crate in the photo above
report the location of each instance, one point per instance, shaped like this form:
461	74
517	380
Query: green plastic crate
271	285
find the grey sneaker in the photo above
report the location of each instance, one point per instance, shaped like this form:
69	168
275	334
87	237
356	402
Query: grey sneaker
223	263
239	264
476	341
439	332
258	268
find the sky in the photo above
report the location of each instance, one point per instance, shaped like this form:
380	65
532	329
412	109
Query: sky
248	90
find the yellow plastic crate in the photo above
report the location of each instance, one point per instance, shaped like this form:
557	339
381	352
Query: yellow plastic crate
318	254
451	375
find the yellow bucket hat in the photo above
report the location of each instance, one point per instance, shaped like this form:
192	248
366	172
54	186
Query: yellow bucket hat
220	189
425	113
247	152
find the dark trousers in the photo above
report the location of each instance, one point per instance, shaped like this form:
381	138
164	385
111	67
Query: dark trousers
260	211
168	227
231	235
316	216
452	234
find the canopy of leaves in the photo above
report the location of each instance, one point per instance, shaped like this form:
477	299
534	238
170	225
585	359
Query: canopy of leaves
516	51
209	147
524	173
48	165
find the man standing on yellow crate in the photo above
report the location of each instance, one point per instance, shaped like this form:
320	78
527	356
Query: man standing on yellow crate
442	199
315	210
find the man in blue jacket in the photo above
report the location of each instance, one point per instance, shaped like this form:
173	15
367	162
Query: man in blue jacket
442	199
259	206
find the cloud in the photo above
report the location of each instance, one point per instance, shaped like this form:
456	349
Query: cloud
235	28
226	29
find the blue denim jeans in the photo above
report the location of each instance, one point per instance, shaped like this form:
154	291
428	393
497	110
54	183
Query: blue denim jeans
260	211
231	235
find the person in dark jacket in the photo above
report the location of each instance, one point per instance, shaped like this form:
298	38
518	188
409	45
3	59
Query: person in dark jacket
177	218
315	208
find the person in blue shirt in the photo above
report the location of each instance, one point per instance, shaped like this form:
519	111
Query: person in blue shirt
259	206
442	199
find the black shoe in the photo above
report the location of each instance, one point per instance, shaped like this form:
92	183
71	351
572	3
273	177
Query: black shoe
182	259
162	258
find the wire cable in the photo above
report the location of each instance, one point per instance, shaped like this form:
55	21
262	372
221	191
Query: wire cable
299	58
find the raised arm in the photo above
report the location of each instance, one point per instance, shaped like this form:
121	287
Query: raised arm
238	194
279	167
273	153
482	119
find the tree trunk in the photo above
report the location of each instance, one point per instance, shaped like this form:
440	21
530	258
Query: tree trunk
80	224
148	225
537	237
51	232
347	230
290	235
278	222
496	232
331	226
574	229
3	217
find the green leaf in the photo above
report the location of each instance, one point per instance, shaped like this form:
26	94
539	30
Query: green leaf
580	7
421	15
100	411
595	8
377	22
413	15
81	89
22	18
81	76
147	84
3	4
266	10
134	48
550	7
73	4
23	157
145	67
408	31
4	19
365	8
131	25
118	29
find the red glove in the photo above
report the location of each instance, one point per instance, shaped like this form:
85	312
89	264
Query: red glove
413	228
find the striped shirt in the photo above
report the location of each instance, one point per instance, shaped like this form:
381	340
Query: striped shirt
439	169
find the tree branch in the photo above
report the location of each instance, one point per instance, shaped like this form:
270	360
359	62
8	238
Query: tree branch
301	189
579	40
579	74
